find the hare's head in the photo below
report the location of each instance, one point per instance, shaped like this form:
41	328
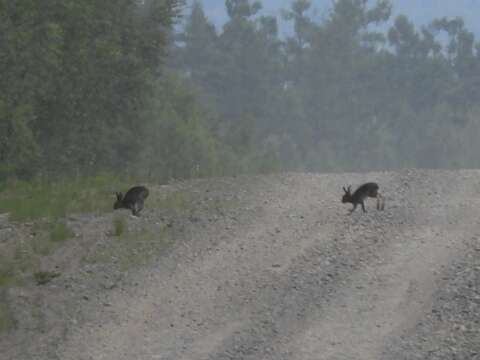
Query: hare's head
119	203
347	197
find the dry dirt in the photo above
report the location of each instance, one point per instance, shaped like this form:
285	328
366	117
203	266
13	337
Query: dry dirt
270	267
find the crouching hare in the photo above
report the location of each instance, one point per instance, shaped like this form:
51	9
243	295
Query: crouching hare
133	199
358	197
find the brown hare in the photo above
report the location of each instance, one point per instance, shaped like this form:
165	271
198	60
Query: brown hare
133	199
358	197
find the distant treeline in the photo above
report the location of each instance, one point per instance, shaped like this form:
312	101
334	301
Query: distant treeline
93	86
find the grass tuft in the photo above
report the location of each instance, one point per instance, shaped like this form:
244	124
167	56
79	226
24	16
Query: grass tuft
49	236
59	232
44	277
119	225
7	273
7	321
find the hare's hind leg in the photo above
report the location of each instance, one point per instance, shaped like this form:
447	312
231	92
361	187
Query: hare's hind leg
380	202
134	209
139	206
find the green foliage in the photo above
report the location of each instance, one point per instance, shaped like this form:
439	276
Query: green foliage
107	86
75	76
333	96
178	143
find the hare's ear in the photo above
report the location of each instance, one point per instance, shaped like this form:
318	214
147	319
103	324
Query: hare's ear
350	188
346	191
119	195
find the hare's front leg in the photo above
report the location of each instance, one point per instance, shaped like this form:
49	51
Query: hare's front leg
363	206
135	209
353	209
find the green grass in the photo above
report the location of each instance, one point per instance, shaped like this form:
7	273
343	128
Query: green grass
7	321
23	257
221	205
59	232
133	249
179	202
7	271
46	204
46	199
49	236
18	264
44	277
119	225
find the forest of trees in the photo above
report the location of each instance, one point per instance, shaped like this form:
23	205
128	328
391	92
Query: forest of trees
129	87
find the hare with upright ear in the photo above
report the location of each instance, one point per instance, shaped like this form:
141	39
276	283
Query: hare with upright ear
133	199
358	197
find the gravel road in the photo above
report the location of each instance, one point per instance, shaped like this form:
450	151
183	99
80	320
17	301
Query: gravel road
288	274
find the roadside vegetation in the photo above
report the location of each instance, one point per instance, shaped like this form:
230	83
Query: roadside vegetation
42	199
107	87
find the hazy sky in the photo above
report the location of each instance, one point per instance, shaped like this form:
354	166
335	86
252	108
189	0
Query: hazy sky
420	11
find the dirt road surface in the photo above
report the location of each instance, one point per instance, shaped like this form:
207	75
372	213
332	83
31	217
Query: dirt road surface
286	273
